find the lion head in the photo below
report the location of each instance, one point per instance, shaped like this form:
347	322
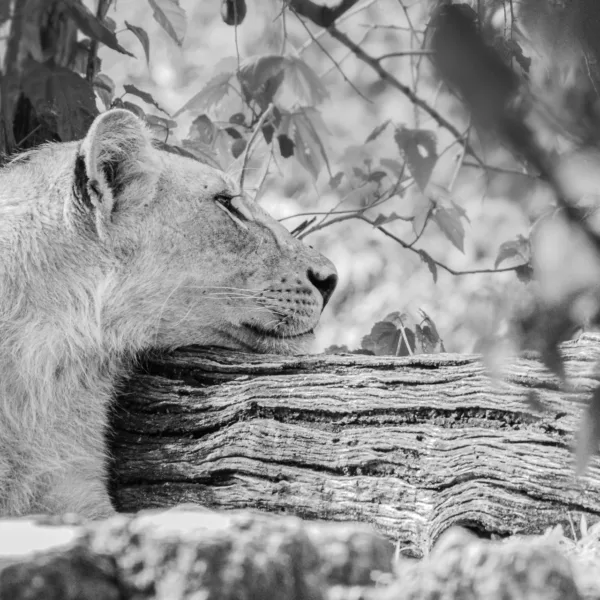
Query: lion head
167	251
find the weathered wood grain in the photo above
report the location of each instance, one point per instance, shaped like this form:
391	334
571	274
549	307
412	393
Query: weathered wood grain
410	445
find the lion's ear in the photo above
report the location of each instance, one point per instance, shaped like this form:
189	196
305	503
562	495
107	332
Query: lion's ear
115	166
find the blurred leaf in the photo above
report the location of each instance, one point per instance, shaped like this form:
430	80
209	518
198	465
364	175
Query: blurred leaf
268	130
335	181
589	433
513	248
159	125
202	130
110	23
4	11
238	147
265	93
359	173
418	148
142	36
286	145
233	132
145	96
310	151
470	66
81	56
305	83
393	166
376	176
104	86
237	118
430	264
171	17
383	219
202	153
448	220
212	93
63	100
135	109
517	53
377	131
256	71
87	22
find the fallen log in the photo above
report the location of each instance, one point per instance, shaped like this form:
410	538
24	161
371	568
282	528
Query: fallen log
409	445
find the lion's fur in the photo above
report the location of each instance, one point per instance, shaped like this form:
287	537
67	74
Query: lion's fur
109	247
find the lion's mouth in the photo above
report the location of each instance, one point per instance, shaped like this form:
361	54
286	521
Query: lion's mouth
277	334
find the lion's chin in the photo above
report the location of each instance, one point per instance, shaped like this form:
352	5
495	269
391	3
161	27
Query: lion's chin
249	338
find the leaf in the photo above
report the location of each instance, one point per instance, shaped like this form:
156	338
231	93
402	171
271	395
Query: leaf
171	17
383	220
430	264
92	26
238	147
377	131
210	95
104	86
310	151
589	433
418	148
159	125
359	173
376	176
256	71
335	181
142	36
383	339
448	220
233	132
428	339
202	130
286	145
513	248
393	166
237	119
305	83
145	96
268	130
63	100
135	109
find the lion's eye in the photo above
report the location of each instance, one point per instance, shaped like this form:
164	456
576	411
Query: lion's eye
235	210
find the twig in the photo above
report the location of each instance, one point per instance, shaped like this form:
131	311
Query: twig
258	128
337	66
404	53
394	27
439	264
264	175
101	10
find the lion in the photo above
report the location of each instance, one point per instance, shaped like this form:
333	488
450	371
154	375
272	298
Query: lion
110	246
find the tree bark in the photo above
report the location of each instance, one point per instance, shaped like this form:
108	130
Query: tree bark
409	445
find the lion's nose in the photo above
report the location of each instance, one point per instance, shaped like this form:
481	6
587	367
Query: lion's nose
325	281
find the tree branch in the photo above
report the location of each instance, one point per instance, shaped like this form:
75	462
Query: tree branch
407	91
